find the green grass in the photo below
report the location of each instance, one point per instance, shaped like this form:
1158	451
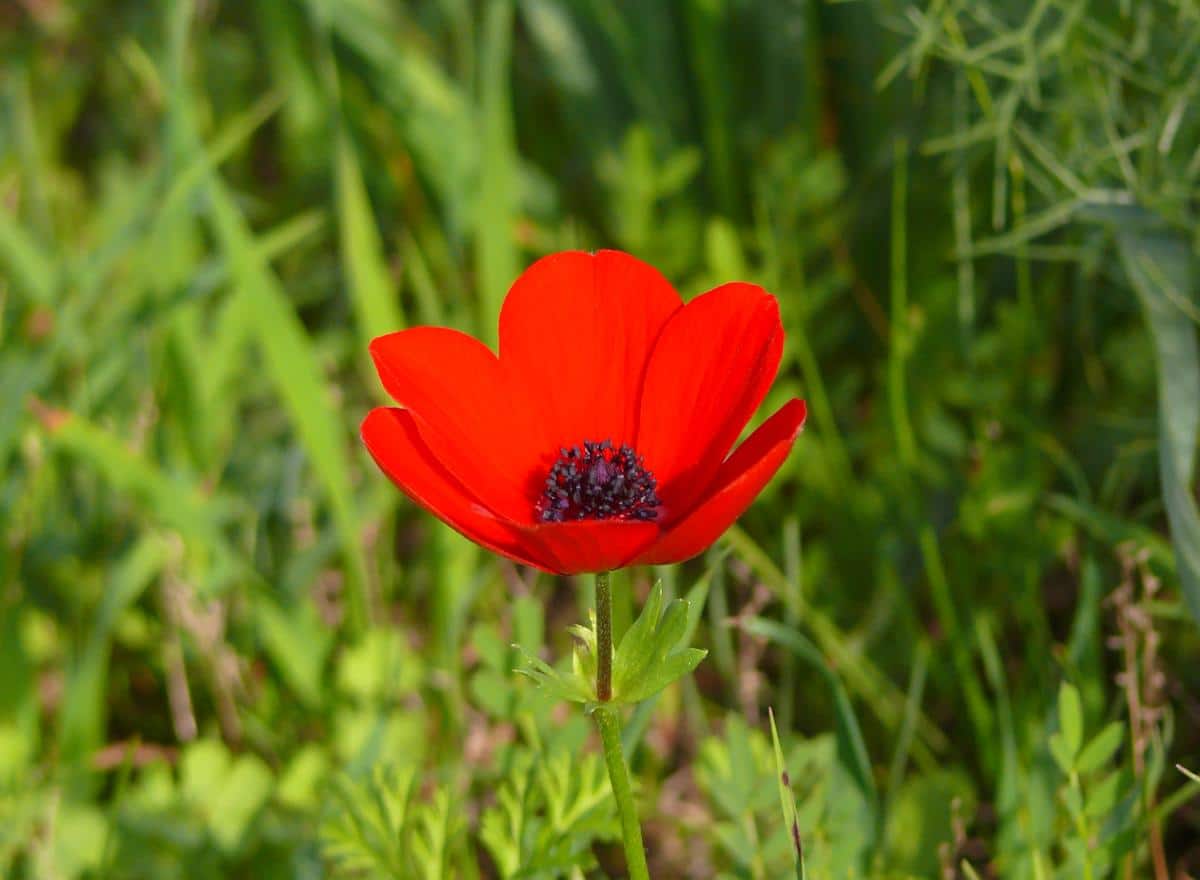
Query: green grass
229	648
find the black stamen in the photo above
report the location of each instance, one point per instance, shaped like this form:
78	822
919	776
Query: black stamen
598	481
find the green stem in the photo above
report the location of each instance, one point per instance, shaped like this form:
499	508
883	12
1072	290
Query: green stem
609	722
631	833
603	638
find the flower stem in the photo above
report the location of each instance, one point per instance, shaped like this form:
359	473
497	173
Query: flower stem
603	638
609	722
631	833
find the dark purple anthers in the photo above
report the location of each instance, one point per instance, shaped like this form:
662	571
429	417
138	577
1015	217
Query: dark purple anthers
598	481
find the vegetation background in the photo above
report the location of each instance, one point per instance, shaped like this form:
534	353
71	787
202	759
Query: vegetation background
229	648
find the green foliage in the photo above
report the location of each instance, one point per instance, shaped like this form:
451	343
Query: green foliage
381	831
1099	799
548	815
229	648
549	810
1161	267
652	654
738	772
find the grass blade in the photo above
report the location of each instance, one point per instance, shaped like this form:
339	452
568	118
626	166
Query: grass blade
372	291
1161	268
295	370
496	252
787	801
852	748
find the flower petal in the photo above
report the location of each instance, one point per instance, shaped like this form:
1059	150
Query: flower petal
576	329
474	422
591	545
709	371
392	438
737	484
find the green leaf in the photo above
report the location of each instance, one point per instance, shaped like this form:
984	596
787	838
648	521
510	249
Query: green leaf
298	644
648	658
31	269
1070	720
637	645
84	709
1103	796
1073	798
571	686
787	801
1100	749
659	675
294	366
291	359
167	499
243	792
1161	267
851	747
671	628
583	661
497	260
370	830
1062	755
372	291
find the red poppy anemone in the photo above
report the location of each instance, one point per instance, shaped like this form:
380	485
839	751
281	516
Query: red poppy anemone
601	435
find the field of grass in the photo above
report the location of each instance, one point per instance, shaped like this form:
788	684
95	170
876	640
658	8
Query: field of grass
229	648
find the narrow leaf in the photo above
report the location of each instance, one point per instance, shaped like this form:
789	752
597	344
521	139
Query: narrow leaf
376	304
787	801
497	257
1161	267
852	748
1070	719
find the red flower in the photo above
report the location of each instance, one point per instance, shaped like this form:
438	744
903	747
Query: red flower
599	437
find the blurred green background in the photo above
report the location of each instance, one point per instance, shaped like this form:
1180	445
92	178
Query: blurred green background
229	648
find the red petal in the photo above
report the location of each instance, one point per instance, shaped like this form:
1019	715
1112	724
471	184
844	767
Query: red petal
392	438
477	425
576	330
738	483
709	371
590	545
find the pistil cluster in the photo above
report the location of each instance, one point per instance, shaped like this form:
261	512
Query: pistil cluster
598	481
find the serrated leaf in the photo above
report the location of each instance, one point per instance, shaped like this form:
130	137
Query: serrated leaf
569	686
1100	749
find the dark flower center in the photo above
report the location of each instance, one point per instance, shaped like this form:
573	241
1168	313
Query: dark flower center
598	481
